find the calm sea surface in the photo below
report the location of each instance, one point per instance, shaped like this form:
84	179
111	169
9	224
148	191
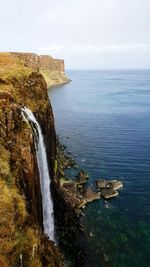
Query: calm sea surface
104	119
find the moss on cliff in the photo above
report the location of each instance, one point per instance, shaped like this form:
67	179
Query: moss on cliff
21	237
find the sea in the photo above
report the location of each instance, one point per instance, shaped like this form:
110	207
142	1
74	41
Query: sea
103	117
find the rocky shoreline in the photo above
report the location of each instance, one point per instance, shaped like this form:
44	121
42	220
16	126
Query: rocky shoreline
67	205
73	194
76	190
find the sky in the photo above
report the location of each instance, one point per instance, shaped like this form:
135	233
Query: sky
87	34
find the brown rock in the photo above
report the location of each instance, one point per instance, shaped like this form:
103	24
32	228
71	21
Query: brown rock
6	95
101	183
71	186
21	200
27	157
114	184
90	195
109	193
70	199
82	177
52	69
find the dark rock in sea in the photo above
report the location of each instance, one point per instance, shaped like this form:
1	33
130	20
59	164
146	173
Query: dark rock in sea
68	167
106	259
69	162
76	166
108	193
82	177
91	234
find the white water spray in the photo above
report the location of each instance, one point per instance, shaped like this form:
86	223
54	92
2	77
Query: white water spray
47	203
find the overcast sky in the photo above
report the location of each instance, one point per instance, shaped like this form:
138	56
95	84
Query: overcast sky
88	34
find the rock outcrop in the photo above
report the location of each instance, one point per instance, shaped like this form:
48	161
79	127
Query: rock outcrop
90	195
52	69
22	242
109	188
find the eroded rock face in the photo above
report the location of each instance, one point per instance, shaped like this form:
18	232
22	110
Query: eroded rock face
35	62
30	60
21	202
52	69
18	140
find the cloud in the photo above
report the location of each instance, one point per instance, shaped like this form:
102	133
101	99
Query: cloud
50	49
84	50
109	33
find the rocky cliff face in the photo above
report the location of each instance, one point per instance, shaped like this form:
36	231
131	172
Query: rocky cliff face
22	242
52	69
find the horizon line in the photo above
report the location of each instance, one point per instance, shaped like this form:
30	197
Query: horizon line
100	69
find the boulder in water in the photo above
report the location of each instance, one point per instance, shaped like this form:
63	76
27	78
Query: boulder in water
101	183
108	193
114	184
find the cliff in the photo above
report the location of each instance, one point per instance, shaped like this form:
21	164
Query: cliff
22	242
52	69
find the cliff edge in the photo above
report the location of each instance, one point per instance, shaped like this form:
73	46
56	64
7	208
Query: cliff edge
22	242
52	69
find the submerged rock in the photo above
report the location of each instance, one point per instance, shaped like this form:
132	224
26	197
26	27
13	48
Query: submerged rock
91	234
109	193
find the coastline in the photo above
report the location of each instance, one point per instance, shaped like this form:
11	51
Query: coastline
104	136
20	87
72	237
58	84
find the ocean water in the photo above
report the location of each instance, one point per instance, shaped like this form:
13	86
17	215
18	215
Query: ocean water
104	119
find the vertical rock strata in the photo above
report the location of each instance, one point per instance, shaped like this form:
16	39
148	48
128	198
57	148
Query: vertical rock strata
22	242
52	69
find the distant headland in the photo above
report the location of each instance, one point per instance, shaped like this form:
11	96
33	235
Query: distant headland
52	69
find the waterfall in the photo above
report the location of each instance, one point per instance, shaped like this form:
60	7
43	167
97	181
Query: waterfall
47	203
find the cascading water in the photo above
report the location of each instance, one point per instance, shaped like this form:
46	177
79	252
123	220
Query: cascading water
47	203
